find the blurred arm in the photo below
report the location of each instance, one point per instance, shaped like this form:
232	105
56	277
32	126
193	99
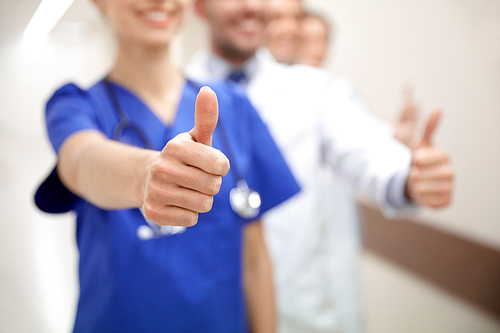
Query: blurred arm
258	281
362	149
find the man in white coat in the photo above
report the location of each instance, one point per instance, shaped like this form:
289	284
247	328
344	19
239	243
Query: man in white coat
323	130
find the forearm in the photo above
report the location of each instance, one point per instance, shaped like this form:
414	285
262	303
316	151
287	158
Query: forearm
259	282
107	173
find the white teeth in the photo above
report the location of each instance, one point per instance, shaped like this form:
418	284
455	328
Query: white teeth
156	16
249	24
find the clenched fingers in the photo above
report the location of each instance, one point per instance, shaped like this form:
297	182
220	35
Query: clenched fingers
429	156
182	182
206	158
170	215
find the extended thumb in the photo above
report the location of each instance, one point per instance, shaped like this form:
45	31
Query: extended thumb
205	116
430	128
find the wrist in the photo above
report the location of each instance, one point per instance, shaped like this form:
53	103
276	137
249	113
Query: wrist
140	191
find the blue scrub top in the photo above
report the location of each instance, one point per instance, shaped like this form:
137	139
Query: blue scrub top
187	282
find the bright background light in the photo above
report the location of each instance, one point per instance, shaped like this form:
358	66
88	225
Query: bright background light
48	13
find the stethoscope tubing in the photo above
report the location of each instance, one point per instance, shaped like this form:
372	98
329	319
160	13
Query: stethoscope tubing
123	119
247	201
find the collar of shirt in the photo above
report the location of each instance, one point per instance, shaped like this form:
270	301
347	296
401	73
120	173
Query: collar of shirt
220	68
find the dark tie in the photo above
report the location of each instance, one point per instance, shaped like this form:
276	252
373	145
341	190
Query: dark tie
237	76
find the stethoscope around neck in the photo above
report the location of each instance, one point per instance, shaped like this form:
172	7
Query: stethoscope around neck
243	200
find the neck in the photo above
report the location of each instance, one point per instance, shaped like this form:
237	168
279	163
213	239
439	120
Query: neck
149	72
146	70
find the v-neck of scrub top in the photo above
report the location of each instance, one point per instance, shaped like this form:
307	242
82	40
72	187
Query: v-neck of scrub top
142	115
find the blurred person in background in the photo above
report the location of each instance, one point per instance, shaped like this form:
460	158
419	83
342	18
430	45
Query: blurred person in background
333	146
314	37
313	45
135	153
283	32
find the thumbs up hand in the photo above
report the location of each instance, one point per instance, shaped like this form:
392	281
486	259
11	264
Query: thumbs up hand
188	172
430	182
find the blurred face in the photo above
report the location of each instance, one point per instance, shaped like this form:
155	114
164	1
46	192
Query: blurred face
283	29
314	42
150	22
236	26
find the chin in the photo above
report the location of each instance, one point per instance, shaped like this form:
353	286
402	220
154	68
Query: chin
158	39
248	51
284	55
249	46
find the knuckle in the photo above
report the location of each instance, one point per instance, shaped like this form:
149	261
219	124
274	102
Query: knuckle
174	147
159	192
418	163
152	190
419	154
160	168
146	210
151	213
414	175
163	172
449	173
218	161
155	168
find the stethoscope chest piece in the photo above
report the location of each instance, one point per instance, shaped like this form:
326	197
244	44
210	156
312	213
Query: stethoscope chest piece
245	201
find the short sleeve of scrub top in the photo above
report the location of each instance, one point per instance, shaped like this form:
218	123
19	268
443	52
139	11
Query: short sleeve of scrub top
185	282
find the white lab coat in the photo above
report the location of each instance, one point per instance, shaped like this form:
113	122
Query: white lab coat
332	145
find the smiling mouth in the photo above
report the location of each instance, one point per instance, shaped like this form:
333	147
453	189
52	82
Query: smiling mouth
250	25
156	16
159	18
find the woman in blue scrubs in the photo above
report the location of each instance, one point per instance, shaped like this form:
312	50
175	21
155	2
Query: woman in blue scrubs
146	144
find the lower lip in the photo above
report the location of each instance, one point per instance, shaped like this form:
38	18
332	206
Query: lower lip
250	32
156	23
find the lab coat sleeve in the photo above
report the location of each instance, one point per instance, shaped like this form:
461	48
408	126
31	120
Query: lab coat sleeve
361	147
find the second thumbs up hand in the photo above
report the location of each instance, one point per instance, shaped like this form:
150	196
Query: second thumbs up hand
430	182
188	172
